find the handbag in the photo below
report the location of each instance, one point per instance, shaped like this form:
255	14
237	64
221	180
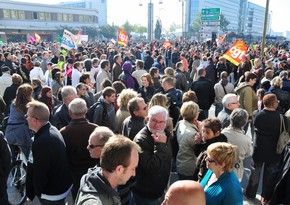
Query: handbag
283	137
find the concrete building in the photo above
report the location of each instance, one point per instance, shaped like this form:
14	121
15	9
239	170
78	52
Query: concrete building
18	19
244	17
99	5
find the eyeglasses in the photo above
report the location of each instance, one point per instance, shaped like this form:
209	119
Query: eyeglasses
157	122
209	159
91	146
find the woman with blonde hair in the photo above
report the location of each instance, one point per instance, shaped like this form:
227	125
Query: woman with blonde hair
17	131
220	183
186	129
122	113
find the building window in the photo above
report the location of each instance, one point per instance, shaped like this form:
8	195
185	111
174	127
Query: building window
65	17
28	14
81	18
86	18
70	18
21	14
1	14
75	18
59	17
14	14
6	13
53	16
41	16
35	15
47	16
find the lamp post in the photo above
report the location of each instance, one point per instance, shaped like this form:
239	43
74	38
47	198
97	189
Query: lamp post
150	19
182	19
265	27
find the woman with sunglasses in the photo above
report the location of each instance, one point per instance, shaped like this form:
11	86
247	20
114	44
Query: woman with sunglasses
220	183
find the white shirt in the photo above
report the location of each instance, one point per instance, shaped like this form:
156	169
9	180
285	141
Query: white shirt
37	72
5	81
75	78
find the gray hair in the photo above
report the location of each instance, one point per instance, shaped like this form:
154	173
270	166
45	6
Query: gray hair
239	118
156	109
102	133
227	99
66	91
78	106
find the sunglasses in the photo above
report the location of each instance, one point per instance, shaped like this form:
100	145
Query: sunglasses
91	146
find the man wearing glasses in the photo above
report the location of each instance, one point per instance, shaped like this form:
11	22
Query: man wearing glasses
118	161
76	135
50	169
230	102
134	123
155	160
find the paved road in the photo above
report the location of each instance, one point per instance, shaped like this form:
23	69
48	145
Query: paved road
174	178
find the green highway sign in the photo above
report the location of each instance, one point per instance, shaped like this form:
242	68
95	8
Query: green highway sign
210	18
211	11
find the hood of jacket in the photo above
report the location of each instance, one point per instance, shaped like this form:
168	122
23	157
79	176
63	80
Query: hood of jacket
95	182
241	86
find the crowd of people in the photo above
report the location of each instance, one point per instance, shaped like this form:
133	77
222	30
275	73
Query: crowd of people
109	124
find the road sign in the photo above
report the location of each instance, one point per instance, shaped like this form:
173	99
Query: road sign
210	23
209	29
210	18
211	11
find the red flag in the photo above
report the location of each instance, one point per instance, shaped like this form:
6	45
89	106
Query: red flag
221	39
167	44
236	53
37	37
123	37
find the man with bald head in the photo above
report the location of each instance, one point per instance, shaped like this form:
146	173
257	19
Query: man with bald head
185	192
50	169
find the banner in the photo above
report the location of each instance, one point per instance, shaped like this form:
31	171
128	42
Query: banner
31	39
221	39
59	38
236	53
84	38
123	37
37	37
167	44
68	40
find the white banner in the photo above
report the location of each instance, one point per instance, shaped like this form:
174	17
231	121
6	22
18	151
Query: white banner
68	40
84	38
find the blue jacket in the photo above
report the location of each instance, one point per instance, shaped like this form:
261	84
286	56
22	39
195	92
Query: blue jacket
225	191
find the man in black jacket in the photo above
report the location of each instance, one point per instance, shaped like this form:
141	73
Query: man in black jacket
5	162
204	90
51	177
61	116
134	123
154	165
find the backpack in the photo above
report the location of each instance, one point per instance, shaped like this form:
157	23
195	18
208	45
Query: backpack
92	108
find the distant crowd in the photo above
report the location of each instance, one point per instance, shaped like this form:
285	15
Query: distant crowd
110	124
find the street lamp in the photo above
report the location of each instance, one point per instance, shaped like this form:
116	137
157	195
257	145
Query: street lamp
150	19
265	27
182	20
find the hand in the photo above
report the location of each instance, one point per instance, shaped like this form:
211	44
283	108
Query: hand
159	137
197	138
